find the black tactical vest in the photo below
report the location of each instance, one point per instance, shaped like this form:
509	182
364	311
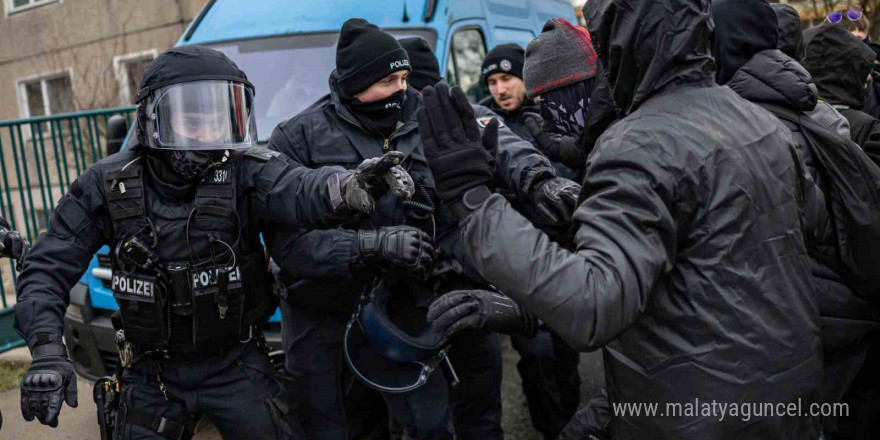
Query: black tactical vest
207	298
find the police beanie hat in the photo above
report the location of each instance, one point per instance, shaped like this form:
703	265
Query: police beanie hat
425	68
365	54
563	54
503	58
188	63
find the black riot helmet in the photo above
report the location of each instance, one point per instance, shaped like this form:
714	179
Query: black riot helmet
194	104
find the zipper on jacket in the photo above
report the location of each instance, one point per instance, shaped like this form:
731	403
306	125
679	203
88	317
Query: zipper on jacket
385	146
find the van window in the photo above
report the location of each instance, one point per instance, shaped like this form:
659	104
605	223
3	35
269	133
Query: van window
291	72
465	57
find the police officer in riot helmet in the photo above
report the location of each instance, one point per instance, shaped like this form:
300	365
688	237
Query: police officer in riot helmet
181	211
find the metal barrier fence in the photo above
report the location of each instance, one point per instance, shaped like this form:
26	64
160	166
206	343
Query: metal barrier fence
39	158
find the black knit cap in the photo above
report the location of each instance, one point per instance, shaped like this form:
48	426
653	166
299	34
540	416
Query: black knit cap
365	54
503	58
425	68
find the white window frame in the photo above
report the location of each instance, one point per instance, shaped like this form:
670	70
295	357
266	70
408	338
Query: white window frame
20	83
121	73
10	9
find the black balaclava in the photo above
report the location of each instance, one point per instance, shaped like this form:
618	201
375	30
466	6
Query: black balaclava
565	109
379	117
742	29
174	66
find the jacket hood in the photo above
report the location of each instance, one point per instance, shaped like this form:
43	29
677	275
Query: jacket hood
742	29
839	63
646	45
791	37
773	77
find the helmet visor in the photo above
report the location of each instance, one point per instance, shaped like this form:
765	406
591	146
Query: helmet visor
203	115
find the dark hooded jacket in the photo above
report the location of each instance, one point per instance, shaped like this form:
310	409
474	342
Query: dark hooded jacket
839	64
773	79
691	271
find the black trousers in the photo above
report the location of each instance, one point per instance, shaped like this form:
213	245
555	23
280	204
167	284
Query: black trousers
238	390
548	367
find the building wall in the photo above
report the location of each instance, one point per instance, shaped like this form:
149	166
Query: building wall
83	37
79	38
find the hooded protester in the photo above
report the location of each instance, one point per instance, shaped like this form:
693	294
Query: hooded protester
560	71
691	270
839	64
322	293
182	210
774	80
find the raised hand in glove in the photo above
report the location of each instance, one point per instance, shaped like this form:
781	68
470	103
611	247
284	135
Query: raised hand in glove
555	199
370	180
403	247
49	381
492	311
557	147
12	244
453	144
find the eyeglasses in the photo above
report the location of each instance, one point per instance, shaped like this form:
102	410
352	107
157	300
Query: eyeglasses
851	15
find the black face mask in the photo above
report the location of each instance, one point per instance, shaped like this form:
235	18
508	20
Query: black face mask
380	116
565	109
188	165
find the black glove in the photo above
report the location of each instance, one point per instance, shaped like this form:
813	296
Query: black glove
558	148
12	244
492	311
401	246
452	142
555	199
49	381
370	180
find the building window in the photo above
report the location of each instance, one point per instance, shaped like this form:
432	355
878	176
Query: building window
47	95
465	58
129	69
13	6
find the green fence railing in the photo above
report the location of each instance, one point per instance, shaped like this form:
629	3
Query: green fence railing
39	158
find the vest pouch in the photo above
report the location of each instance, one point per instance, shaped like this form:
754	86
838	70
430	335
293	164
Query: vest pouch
142	306
217	297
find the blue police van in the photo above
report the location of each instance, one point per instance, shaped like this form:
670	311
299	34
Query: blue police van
288	49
